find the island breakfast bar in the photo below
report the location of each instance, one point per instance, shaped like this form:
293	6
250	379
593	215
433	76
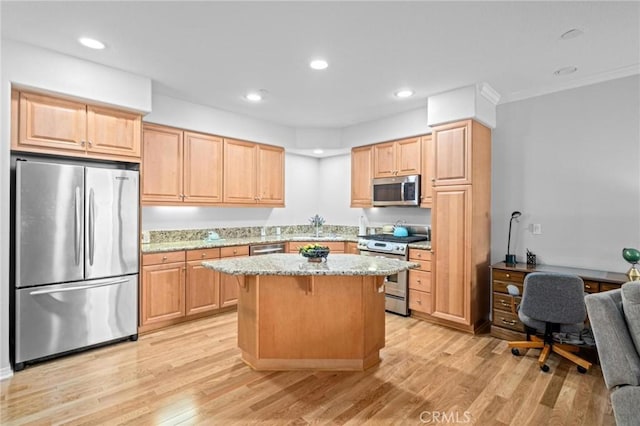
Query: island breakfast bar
294	314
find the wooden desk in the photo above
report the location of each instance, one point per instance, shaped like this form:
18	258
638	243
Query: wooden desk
506	325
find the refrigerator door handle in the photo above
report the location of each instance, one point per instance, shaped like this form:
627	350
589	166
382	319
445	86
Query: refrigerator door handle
92	226
78	231
84	287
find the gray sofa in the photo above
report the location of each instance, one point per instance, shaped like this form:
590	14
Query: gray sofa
615	320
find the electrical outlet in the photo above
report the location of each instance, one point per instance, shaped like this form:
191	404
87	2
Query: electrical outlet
537	229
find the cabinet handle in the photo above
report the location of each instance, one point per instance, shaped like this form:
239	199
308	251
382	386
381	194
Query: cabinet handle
184	268
510	322
587	286
90	144
164	258
419	302
508	276
503	303
82	143
433	179
204	254
418	281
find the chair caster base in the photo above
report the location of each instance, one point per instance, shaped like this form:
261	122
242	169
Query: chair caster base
515	351
544	367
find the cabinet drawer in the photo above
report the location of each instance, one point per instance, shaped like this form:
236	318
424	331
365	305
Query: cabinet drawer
591	286
234	251
508	276
503	301
425	265
507	320
420	301
420	280
609	286
334	246
212	253
160	258
419	254
501	286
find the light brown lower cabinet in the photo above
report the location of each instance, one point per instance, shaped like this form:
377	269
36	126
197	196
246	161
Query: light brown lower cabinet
420	297
229	284
175	287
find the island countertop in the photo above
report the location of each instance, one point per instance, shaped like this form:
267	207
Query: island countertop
294	264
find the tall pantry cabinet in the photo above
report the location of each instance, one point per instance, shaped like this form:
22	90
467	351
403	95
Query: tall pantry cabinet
461	226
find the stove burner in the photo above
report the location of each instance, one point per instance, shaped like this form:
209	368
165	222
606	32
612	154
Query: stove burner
391	239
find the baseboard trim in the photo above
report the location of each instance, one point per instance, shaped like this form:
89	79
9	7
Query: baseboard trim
5	373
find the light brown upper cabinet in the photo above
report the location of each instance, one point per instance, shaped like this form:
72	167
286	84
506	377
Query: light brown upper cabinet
397	158
253	174
51	125
180	167
361	175
426	175
454	154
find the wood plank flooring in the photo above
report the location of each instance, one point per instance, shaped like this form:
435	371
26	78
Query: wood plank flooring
192	374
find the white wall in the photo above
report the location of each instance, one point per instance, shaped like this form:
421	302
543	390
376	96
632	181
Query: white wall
32	67
409	123
186	115
570	161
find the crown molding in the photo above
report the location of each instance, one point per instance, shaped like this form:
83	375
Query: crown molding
574	83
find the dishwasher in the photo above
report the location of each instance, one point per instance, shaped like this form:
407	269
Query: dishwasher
260	249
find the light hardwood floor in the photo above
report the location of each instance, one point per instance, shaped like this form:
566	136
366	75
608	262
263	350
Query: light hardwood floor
192	374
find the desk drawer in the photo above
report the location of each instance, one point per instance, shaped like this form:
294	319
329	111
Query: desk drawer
234	251
419	254
591	286
609	286
425	265
507	320
503	301
501	286
508	276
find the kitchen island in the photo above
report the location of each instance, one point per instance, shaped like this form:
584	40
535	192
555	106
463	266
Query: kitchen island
294	314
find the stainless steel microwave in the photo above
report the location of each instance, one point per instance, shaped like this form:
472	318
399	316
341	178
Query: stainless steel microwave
396	191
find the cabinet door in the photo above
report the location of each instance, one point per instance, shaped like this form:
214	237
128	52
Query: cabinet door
384	163
161	165
229	289
451	222
239	172
202	288
113	132
361	175
162	292
202	168
408	157
270	175
426	175
452	165
51	125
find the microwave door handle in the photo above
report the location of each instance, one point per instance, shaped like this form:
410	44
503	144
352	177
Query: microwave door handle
402	198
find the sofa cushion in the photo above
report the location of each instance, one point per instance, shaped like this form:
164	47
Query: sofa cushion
631	310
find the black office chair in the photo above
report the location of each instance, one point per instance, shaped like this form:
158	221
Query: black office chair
551	303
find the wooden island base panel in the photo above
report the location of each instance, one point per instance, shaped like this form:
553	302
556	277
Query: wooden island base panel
296	315
324	322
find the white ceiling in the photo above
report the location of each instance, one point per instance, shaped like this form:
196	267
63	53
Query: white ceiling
212	53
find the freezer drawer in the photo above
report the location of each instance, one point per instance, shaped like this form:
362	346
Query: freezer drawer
63	317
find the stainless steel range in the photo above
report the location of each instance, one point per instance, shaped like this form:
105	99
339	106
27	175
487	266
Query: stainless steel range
386	245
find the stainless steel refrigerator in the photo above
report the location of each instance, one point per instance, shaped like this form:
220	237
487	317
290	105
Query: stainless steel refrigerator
76	257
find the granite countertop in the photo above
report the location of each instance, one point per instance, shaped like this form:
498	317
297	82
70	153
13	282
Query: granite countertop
424	245
294	264
204	244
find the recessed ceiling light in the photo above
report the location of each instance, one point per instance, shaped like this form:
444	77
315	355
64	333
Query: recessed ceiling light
405	93
318	64
318	151
253	97
91	43
565	71
572	33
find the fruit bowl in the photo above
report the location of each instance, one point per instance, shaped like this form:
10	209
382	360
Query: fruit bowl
314	252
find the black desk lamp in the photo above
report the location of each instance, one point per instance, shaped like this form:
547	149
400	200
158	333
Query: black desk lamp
510	259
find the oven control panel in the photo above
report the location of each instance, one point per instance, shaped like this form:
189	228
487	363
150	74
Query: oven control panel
382	247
